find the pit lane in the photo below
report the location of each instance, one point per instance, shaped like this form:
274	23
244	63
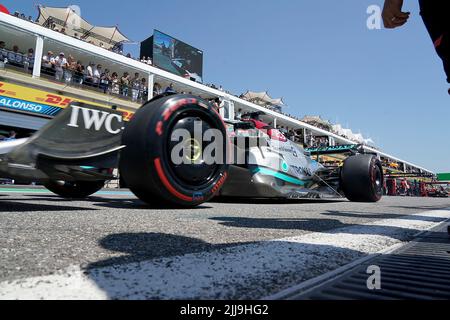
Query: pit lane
112	246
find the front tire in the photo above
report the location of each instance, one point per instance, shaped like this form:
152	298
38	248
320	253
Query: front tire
362	178
146	163
74	190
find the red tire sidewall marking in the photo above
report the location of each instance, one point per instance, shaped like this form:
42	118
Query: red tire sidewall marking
167	184
157	162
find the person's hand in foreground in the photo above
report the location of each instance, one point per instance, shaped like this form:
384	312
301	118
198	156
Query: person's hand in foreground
393	16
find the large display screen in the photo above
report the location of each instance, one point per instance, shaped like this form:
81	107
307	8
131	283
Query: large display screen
177	57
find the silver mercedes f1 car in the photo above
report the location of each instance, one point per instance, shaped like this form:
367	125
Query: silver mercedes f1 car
79	150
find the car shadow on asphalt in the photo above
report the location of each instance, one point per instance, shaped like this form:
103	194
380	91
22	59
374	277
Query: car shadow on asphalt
136	204
125	203
235	200
17	206
41	198
139	247
425	208
331	226
382	216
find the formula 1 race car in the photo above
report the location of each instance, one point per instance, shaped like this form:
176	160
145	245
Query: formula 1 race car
162	158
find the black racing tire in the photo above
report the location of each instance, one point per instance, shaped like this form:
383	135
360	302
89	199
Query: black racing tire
74	190
362	178
145	162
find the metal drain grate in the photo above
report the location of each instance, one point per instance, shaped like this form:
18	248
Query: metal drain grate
420	270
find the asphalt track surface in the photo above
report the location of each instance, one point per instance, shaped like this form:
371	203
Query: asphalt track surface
112	246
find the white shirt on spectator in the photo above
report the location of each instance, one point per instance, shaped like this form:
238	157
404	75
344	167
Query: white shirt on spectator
89	72
48	61
60	63
96	75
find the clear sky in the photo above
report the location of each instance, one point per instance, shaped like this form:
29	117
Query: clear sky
318	55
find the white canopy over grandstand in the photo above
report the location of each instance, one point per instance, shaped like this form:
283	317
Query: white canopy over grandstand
262	99
74	25
357	137
318	121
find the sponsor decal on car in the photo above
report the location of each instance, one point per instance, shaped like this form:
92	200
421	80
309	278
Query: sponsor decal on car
285	167
279	175
303	171
283	148
95	120
333	149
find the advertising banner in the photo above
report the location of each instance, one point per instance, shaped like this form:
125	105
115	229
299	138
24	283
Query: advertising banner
20	98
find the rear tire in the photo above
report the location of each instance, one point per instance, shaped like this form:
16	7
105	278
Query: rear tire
362	178
74	190
146	165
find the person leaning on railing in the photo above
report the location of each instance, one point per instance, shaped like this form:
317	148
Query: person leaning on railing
78	74
115	83
89	74
143	92
125	84
157	89
69	69
60	64
105	80
135	83
28	62
97	73
48	64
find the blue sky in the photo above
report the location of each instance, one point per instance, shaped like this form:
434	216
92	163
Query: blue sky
318	55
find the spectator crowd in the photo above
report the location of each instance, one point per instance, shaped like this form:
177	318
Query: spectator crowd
67	69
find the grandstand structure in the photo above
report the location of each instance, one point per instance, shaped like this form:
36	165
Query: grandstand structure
29	97
69	20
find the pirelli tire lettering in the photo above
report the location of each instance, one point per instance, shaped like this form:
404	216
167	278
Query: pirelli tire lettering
146	164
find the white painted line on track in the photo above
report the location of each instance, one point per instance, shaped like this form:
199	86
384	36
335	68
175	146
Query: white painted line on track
248	271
